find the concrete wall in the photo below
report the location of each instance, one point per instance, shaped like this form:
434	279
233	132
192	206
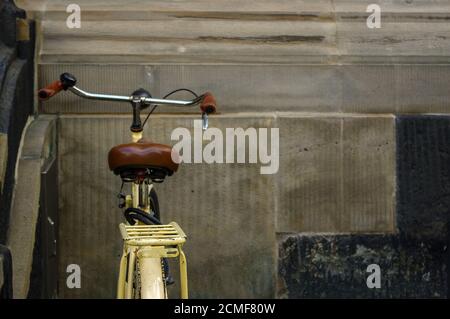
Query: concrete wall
230	211
268	31
359	88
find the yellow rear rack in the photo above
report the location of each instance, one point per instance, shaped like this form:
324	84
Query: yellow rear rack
153	235
153	241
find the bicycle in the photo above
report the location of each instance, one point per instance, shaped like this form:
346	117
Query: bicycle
143	271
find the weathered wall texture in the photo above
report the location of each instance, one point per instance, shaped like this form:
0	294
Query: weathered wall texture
268	31
335	266
414	262
423	150
304	88
230	211
337	173
290	55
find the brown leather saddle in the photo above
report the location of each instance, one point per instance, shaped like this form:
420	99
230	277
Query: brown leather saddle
142	158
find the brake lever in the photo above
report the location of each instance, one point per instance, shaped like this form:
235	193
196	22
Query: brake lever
204	121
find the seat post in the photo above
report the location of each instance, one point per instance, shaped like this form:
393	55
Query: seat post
136	136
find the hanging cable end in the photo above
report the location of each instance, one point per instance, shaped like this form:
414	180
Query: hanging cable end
204	121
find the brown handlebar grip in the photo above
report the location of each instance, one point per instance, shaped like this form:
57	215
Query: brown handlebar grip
208	104
50	90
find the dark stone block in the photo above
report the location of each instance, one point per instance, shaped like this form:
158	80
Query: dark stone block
336	267
423	176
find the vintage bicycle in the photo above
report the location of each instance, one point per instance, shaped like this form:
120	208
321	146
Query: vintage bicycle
148	243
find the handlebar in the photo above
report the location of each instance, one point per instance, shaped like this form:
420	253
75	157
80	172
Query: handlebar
67	82
50	90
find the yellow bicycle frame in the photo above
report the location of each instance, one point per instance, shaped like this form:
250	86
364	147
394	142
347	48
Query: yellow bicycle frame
148	244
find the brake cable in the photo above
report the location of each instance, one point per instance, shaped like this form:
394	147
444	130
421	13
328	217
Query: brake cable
165	97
